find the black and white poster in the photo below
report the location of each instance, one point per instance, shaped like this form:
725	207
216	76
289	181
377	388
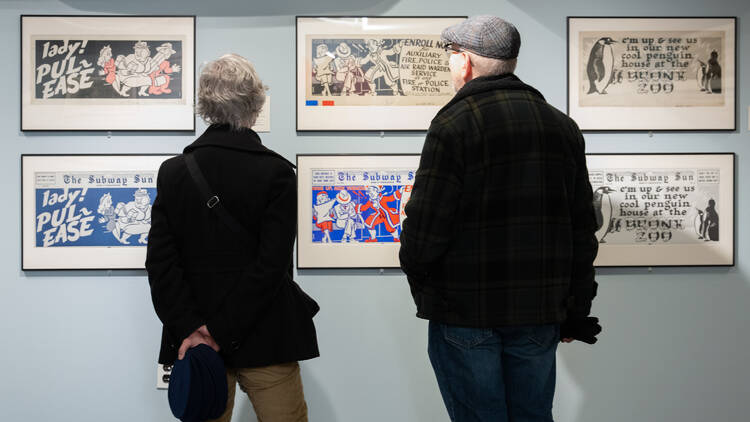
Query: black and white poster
107	73
651	74
114	69
395	70
371	73
663	209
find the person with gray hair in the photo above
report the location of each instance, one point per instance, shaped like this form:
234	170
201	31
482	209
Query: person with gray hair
499	241
219	255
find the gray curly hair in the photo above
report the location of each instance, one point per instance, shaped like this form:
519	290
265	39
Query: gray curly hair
230	92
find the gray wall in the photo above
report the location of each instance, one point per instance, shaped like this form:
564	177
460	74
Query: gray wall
82	345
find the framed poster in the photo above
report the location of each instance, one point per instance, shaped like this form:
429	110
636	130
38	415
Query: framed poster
628	73
371	73
663	209
87	211
107	72
350	209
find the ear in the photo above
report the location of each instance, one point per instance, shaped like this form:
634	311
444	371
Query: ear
466	68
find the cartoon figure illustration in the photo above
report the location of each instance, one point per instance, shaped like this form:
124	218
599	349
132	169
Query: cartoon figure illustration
133	218
382	67
151	75
603	210
133	71
323	215
709	74
160	76
709	224
107	63
322	68
601	65
383	213
348	71
345	213
107	212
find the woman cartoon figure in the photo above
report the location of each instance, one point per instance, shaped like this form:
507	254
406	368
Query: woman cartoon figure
322	215
107	63
322	68
107	212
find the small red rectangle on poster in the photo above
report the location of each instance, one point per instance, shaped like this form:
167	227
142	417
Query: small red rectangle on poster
327	103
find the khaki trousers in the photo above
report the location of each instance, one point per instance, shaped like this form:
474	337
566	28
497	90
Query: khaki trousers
275	392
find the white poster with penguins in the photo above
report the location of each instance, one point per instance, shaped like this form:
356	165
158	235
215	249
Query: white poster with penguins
652	74
663	209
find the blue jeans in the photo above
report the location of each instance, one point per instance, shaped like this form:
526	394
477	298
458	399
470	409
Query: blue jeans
495	374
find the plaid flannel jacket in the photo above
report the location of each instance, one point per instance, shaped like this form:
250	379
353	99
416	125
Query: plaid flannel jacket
500	224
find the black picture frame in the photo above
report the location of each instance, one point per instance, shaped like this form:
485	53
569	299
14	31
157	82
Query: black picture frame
653	209
73	92
663	99
354	251
56	196
365	113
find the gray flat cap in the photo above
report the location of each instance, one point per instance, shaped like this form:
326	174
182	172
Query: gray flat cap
486	35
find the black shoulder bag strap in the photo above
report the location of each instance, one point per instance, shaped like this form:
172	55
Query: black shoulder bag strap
212	200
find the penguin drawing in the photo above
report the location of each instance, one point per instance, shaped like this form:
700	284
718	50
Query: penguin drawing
698	223
603	210
700	75
601	65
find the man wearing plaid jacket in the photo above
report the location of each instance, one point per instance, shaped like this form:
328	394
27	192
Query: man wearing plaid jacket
498	244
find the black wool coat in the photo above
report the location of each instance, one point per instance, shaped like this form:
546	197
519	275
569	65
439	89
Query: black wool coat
202	272
500	227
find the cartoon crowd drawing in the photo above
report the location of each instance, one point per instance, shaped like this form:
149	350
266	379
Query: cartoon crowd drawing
150	75
127	219
357	67
357	215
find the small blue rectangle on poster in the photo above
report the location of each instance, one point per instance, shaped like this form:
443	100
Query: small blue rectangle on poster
311	102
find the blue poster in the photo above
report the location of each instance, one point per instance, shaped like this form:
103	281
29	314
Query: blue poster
114	212
351	206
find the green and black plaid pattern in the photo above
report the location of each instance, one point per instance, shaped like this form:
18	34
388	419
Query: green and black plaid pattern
500	224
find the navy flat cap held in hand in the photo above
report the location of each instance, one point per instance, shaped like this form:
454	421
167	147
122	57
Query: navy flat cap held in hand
198	385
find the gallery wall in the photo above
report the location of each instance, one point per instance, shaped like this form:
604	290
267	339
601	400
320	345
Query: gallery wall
83	345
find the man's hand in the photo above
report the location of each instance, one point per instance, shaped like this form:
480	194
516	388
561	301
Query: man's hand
583	329
199	336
